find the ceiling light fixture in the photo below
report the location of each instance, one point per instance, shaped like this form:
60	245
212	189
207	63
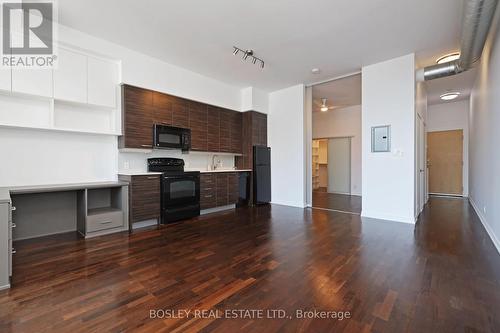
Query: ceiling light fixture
315	71
324	107
448	58
248	54
449	96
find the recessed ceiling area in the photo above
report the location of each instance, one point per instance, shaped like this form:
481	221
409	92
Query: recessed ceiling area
339	93
461	83
292	37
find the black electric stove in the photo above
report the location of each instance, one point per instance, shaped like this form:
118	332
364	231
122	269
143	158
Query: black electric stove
180	190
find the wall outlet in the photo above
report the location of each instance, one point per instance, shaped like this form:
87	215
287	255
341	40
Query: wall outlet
126	165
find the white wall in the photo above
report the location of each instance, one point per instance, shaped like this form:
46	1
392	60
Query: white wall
253	99
388	95
37	157
484	137
342	123
452	116
32	157
286	139
421	179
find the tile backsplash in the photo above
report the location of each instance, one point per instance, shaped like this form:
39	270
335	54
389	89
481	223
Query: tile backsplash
134	161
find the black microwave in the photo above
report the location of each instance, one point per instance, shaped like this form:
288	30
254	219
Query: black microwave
169	137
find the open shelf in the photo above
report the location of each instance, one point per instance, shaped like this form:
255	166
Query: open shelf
24	111
104	200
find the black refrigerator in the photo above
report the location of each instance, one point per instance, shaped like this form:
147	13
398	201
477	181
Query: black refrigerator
262	175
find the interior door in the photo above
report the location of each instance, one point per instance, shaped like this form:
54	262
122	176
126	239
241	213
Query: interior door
339	165
421	172
445	162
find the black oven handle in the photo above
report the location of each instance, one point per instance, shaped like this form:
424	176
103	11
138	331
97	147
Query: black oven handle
181	177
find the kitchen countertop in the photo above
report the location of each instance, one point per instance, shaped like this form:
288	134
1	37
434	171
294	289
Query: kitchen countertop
5	192
220	170
145	173
138	173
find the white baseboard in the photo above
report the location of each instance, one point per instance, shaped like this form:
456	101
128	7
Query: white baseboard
7	286
486	226
289	204
387	217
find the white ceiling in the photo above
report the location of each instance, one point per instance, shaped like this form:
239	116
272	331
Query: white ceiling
292	36
339	93
461	83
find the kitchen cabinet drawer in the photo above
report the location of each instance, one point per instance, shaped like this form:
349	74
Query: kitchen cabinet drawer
208	200
104	221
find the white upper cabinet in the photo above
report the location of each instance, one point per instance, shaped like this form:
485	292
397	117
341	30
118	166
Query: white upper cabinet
32	81
102	82
70	77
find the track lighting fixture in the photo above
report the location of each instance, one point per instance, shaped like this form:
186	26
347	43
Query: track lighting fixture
248	54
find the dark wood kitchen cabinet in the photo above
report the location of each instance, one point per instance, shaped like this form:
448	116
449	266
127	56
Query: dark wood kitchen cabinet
137	118
236	120
213	128
198	125
225	130
254	133
218	189
162	109
144	197
180	112
208	195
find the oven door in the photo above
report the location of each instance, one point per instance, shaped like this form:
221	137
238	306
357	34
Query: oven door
180	190
171	137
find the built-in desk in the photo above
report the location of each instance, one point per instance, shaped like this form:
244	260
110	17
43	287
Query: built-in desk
92	209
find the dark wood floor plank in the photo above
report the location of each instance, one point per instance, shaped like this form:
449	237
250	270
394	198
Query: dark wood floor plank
442	275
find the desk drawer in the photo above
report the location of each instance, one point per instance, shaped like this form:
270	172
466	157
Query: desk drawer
104	221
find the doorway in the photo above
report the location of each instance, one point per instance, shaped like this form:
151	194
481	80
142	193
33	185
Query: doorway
336	145
445	162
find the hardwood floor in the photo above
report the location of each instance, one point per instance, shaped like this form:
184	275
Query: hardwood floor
342	202
442	275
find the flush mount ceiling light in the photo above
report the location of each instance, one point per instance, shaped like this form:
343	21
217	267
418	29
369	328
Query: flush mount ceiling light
448	58
315	71
248	54
449	96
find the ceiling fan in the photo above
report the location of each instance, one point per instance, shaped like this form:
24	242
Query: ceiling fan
324	107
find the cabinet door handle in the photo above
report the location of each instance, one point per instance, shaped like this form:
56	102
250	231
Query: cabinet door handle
13	208
106	222
152	177
207	188
208	196
13	225
13	251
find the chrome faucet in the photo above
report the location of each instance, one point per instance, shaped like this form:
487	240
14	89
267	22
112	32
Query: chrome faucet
215	164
